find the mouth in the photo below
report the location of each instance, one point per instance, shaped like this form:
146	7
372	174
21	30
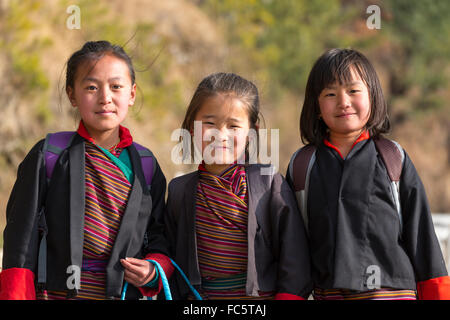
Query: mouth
104	112
345	115
220	147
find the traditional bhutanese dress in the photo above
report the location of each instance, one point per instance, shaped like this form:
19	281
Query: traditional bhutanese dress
379	294
107	183
221	231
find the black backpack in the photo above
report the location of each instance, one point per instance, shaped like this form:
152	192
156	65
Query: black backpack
302	161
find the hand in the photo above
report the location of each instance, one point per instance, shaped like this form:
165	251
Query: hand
137	271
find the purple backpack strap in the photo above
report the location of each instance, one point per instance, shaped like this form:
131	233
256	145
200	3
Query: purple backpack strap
54	144
147	163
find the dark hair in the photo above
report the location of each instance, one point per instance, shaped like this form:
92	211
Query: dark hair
337	65
94	51
225	83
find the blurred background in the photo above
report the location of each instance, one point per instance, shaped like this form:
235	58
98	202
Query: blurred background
175	43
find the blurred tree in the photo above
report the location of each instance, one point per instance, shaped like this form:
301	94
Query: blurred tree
420	33
282	39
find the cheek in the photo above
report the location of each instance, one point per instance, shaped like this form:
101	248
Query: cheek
324	107
205	139
240	140
365	108
326	112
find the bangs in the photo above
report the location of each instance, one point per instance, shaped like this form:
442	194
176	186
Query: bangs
340	66
341	70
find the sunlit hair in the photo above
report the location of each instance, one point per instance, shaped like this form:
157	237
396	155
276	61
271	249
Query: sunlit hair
336	65
229	84
94	51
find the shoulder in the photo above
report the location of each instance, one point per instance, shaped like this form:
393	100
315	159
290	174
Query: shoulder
391	152
36	150
141	149
300	160
265	176
180	182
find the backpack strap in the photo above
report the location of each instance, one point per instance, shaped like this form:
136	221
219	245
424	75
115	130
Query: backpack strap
148	163
393	157
54	144
299	170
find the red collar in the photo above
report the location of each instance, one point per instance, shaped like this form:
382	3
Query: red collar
124	135
201	166
364	136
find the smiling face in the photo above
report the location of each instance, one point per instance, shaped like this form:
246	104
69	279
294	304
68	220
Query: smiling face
345	108
225	127
102	92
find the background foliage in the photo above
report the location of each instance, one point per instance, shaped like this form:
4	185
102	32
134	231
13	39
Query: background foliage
175	43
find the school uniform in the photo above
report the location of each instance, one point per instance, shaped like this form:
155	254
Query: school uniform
355	230
274	256
86	229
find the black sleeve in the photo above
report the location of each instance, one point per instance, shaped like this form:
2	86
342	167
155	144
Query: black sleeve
170	221
294	270
418	236
288	177
170	232
155	229
25	203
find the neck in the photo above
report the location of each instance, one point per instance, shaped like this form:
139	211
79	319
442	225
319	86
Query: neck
344	142
105	139
216	169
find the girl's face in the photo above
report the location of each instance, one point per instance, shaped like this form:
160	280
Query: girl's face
102	92
225	127
345	108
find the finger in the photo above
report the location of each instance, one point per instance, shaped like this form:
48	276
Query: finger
139	278
136	262
135	280
142	273
136	271
132	280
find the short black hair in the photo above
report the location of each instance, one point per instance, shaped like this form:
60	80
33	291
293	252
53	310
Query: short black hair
333	66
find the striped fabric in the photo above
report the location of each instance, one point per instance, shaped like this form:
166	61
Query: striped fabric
107	192
381	294
221	228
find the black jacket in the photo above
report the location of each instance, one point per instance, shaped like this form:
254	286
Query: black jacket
354	224
278	255
63	203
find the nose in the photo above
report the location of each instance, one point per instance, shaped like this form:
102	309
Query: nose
105	96
343	100
223	134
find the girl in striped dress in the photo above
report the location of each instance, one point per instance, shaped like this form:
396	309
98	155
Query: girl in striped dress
233	229
102	220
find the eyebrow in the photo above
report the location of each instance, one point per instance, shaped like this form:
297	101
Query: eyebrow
206	117
345	85
96	80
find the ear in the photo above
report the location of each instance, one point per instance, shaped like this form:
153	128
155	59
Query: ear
71	95
132	95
